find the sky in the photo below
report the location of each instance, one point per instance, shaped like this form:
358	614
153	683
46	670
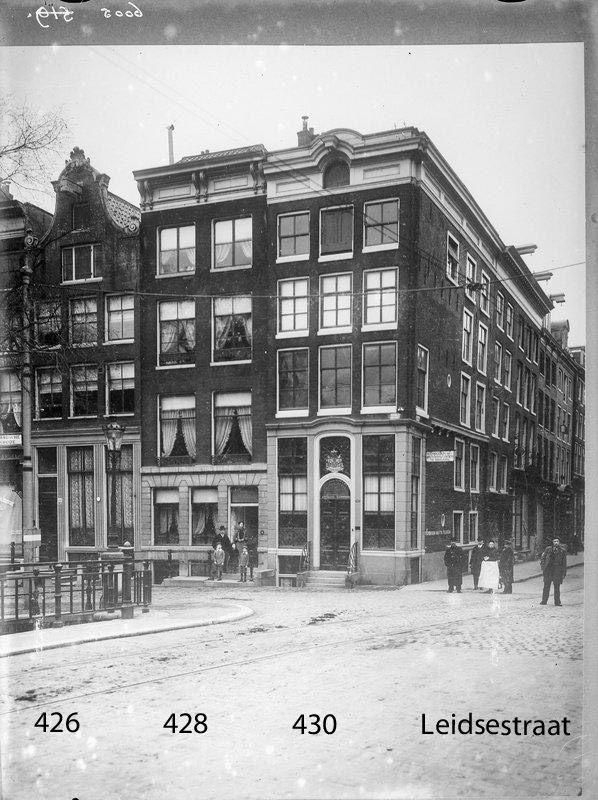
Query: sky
508	118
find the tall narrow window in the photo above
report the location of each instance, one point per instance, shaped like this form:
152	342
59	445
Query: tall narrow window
204	515
495	416
506	370
480	407
177	250
380	375
452	258
474	467
233	431
177	332
10	402
482	348
335	377
485	294
422	379
415	477
458	526
465	400
381	223
504	421
509	321
84	390
119	317
121	388
336	230
233	243
292	492
380	297
293	379
81	496
293	235
473	526
492	471
232	328
378	492
459	475
470	277
500	311
177	428
335	301
123	496
49	393
498	359
47	324
466	346
166	516
293	306
84	321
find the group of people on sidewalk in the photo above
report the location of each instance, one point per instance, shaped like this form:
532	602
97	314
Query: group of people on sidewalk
227	556
493	570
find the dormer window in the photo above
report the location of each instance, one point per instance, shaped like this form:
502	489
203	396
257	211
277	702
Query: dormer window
337	174
80	216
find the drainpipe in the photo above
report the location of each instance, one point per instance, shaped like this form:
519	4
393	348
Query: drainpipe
170	129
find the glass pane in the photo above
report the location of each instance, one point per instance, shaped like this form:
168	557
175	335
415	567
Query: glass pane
373	213
243	229
82	263
223	231
187	237
287	226
302	224
168	239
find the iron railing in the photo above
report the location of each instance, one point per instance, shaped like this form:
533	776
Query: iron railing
353	566
304	565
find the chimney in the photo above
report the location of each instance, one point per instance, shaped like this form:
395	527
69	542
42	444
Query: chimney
170	129
305	135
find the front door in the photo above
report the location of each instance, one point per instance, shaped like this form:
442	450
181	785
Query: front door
47	516
335	525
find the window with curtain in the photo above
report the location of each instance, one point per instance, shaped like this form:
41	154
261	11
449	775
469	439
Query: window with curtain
378	492
232	328
177	332
49	393
335	301
380	375
166	516
381	223
84	321
81	496
47	324
233	432
10	402
121	388
293	235
293	379
336	230
233	243
292	492
177	427
124	496
84	390
177	250
335	377
119	317
204	516
380	297
293	306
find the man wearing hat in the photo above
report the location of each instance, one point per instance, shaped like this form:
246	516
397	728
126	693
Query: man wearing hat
554	568
453	561
506	562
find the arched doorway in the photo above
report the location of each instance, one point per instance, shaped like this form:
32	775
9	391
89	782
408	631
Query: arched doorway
335	524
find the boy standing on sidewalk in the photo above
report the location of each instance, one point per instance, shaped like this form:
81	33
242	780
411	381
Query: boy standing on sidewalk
243	561
219	561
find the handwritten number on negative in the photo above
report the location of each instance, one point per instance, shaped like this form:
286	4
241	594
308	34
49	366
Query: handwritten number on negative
200	725
71	725
328	725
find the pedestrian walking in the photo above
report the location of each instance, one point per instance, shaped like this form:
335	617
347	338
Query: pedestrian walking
554	568
475	562
506	563
489	577
219	561
453	561
243	561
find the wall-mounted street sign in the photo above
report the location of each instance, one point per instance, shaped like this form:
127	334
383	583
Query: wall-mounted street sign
440	455
10	440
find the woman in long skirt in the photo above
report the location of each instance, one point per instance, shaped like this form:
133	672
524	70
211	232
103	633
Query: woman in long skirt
489	577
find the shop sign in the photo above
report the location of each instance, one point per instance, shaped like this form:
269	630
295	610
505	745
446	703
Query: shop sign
440	455
10	440
436	540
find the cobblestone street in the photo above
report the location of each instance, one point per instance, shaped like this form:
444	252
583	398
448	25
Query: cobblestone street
375	659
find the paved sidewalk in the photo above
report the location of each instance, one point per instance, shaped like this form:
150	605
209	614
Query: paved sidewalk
524	571
204	613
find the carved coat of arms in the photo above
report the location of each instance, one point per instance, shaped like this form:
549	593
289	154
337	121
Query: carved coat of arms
334	461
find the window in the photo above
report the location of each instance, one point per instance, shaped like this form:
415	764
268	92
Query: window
166	516
233	431
336	230
415	498
480	408
474	467
541	367
81	263
521	332
509	321
80	216
422	379
526	387
459	474
533	394
84	390
470	277
292	492
458	526
519	383
560	378
503	474
500	311
482	348
204	516
473	526
337	174
293	312
293	236
177	250
119	318
177	427
10	402
49	394
497	361
47	324
121	388
504	421
464	401
335	301
452	258
466	349
381	224
293	379
495	416
506	370
335	377
535	347
84	321
492	471
378	492
233	243
177	332
485	294
380	375
123	492
380	297
81	496
232	328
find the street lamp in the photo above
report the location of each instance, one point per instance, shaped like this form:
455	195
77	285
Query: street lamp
114	438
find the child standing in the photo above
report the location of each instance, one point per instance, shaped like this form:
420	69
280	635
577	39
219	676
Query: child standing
243	561
219	560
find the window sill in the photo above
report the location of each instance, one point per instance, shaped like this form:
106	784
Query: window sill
454	281
332	331
119	341
299	412
380	326
335	257
81	280
458	489
374	248
83	344
378	409
83	416
174	366
485	313
120	414
49	419
290	259
190	273
229	363
421	412
230	269
329	412
292	334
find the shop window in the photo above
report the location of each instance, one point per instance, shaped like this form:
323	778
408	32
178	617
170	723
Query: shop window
204	516
292	492
378	492
166	516
10	402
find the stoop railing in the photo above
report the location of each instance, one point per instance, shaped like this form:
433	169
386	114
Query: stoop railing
304	565
352	566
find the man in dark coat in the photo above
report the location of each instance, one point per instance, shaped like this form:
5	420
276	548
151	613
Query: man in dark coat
475	562
453	560
554	569
506	562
